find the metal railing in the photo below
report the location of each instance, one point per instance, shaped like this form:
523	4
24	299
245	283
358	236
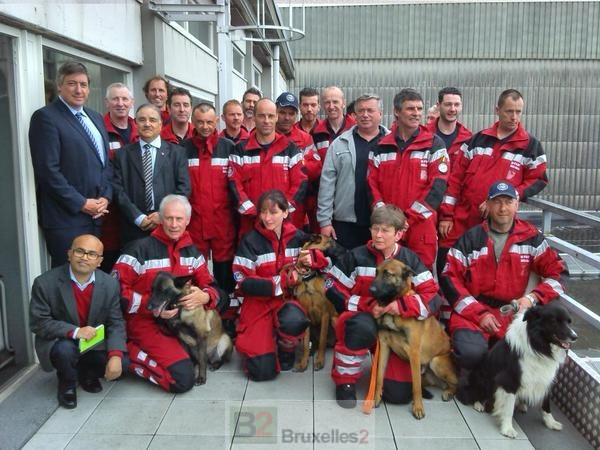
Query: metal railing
585	256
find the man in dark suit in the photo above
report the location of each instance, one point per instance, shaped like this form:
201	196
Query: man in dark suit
67	304
69	151
144	173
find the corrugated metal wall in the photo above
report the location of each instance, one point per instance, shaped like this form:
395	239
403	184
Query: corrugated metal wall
550	51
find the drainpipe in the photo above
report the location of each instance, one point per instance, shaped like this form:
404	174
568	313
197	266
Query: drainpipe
275	73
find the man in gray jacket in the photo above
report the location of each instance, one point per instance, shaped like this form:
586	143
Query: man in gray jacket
343	209
68	304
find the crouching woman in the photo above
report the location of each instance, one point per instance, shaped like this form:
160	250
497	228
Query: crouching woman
269	327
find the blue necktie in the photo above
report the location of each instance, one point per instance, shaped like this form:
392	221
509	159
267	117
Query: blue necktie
79	116
147	163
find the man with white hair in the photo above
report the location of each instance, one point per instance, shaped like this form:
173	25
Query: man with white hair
155	356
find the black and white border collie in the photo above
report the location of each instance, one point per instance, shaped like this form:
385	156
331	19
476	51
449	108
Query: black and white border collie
519	369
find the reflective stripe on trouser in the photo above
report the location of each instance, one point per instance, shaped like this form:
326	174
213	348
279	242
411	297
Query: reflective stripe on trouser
144	366
348	364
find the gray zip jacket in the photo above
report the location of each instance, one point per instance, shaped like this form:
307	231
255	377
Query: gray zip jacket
336	189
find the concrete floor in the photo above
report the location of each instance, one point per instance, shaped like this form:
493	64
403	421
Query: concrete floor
296	411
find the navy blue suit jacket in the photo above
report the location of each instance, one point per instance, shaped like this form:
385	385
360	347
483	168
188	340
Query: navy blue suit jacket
66	164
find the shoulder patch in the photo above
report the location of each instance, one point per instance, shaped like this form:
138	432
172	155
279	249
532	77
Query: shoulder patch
328	283
238	276
115	274
317	157
229	171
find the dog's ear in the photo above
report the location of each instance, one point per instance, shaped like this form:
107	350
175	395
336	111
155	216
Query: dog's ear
407	273
180	282
532	313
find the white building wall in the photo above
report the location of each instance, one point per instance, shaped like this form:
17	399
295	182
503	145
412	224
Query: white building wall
110	26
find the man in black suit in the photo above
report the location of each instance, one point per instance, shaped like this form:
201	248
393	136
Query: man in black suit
69	151
67	304
144	173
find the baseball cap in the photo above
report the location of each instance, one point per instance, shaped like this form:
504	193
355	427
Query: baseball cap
503	188
287	99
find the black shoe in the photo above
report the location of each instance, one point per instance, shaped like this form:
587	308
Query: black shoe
345	395
91	385
67	397
286	360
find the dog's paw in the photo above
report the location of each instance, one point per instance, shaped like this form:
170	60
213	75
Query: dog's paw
299	367
478	406
507	430
551	422
318	365
447	395
418	412
200	381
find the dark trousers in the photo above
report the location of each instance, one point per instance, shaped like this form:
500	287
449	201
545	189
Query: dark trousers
71	365
351	235
58	240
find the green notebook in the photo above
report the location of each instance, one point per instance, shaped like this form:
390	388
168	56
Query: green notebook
85	345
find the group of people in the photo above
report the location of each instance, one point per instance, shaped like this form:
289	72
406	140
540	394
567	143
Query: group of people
167	191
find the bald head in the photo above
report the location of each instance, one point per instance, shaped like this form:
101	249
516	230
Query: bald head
85	256
333	102
265	117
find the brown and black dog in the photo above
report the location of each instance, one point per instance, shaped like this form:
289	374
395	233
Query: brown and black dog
199	330
421	342
310	293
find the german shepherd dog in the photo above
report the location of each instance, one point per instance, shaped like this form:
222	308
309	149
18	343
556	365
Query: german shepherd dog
421	342
199	330
310	293
520	368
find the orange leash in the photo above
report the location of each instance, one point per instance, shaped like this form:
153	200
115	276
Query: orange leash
370	397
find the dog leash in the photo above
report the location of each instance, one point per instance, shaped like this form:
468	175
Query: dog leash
512	307
370	397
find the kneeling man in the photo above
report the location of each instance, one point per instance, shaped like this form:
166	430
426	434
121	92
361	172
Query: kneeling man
67	304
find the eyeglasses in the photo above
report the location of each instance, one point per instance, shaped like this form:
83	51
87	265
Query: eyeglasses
80	253
376	229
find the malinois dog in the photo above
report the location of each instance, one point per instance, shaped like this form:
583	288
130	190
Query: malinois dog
421	342
310	293
199	330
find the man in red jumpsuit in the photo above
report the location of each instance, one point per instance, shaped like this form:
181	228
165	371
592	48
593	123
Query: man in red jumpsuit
267	160
498	261
155	356
287	111
504	151
212	225
121	131
178	127
409	169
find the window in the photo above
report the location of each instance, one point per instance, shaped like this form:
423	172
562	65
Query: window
238	61
256	78
100	76
203	31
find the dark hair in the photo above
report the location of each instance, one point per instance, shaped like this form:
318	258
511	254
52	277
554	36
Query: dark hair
448	91
274	196
406	95
149	106
204	107
308	92
228	103
509	93
71	68
178	91
251	90
350	107
146	87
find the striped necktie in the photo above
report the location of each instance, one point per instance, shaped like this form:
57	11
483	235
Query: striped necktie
147	162
79	116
